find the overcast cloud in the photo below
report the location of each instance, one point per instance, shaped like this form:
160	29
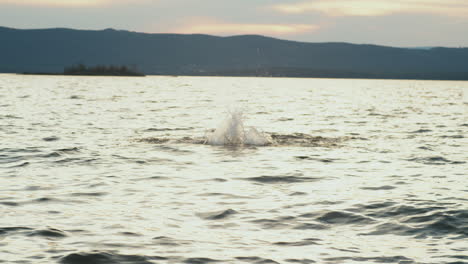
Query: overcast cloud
385	22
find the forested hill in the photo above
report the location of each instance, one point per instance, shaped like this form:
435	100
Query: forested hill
50	50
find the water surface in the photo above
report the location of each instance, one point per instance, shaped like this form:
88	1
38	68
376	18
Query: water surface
81	181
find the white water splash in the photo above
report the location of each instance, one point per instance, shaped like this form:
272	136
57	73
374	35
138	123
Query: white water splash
232	132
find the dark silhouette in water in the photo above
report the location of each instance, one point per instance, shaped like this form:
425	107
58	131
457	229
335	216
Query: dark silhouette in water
50	50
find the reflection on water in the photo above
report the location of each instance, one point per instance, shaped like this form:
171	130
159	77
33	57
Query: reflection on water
120	170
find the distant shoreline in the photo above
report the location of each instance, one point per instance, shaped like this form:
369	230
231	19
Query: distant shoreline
245	76
63	74
48	51
99	70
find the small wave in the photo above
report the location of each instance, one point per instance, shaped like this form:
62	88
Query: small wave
425	148
21	150
130	234
391	210
408	220
226	195
104	258
10	203
342	217
24	164
436	229
298	194
72	149
168	129
59	153
51	155
142	161
5	159
301	139
257	260
45	200
174	150
311	226
153	140
463	257
392	259
391	228
382	219
166	241
49	233
277	223
76	160
305	242
10	117
317	159
200	260
435	160
385	187
217	215
90	194
281	179
170	242
301	261
67	160
52	138
454	136
153	178
421	131
7	230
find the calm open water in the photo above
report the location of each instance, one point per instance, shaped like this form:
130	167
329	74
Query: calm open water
113	170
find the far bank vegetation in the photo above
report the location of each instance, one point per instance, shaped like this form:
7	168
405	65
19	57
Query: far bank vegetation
101	70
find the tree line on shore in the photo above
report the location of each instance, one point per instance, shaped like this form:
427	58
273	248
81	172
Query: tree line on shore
101	70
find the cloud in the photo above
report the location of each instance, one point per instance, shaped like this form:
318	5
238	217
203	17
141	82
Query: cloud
66	3
376	7
220	28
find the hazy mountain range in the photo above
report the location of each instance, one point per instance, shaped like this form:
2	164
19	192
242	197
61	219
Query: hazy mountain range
50	50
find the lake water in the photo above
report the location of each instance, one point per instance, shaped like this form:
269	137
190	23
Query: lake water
115	170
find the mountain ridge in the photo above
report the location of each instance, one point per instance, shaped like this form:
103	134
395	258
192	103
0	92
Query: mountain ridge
52	49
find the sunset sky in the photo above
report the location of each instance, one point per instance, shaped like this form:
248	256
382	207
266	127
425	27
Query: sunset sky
404	23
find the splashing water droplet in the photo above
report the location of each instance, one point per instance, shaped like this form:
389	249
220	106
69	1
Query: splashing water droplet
232	132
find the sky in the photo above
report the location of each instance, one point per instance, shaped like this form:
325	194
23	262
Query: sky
400	23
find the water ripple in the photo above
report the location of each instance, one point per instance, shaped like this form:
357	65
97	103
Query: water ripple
435	160
218	215
392	259
104	258
281	179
